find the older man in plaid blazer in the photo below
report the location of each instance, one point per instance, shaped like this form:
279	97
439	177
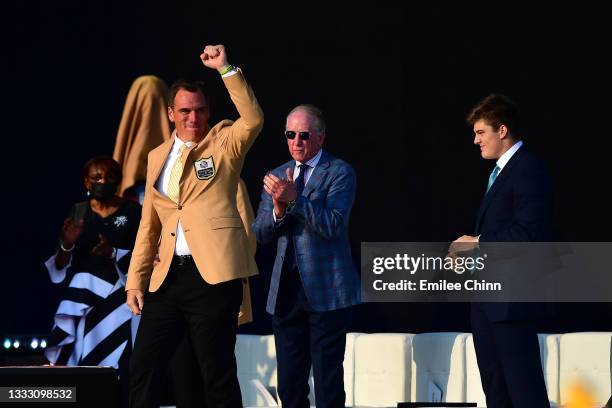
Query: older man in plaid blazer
305	208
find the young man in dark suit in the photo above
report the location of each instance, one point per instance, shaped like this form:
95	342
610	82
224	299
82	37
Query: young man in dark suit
517	207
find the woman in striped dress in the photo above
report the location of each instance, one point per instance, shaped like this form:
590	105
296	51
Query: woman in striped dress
93	326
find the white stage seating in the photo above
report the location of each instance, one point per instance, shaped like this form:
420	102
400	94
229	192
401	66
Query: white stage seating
349	368
438	362
585	357
549	353
255	394
381	369
256	360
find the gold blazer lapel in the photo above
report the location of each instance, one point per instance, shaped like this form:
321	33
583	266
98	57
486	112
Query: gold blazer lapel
160	159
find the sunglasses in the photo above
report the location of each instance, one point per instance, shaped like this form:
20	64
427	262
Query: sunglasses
290	134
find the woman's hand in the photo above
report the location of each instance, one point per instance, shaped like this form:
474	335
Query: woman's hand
71	231
102	248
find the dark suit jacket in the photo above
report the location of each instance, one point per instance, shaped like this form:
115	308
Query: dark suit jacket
517	208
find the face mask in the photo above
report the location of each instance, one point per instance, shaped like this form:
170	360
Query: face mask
102	191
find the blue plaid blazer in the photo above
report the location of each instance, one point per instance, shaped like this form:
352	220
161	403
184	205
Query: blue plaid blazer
320	232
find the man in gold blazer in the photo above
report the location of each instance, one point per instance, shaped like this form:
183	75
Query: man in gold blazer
190	218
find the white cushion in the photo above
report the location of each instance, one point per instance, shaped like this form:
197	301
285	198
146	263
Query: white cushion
473	386
255	394
382	369
438	362
549	353
256	360
585	360
349	368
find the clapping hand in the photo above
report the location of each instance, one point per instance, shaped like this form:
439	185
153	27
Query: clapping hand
282	191
71	231
102	248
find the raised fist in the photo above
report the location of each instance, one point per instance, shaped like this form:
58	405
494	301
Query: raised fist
214	57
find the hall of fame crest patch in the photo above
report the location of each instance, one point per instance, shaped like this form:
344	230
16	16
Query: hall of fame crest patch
205	168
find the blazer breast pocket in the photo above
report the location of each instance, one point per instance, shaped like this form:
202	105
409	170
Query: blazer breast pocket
225	222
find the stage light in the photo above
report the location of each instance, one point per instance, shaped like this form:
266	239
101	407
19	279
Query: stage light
23	344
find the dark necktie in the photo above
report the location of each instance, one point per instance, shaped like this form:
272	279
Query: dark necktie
299	187
299	181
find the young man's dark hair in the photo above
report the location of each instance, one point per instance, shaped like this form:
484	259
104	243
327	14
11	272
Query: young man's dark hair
191	86
497	110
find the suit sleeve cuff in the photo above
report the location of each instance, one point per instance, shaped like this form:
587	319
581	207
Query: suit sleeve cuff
233	71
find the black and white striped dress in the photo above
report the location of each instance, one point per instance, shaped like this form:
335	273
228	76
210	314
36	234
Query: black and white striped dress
93	326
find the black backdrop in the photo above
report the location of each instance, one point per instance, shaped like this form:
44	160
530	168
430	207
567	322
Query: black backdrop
395	83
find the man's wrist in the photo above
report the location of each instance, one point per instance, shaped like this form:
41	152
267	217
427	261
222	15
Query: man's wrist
227	68
280	211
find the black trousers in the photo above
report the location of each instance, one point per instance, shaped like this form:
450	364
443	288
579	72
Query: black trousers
508	356
209	313
303	338
186	377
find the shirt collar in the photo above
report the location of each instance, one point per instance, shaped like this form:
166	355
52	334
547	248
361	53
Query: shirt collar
312	163
505	158
178	143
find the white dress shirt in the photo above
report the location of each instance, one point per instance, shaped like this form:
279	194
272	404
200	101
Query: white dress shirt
505	158
181	247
